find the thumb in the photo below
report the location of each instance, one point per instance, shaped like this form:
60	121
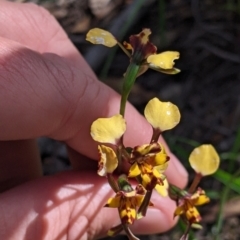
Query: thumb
70	205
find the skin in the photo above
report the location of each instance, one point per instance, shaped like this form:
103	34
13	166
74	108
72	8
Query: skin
47	89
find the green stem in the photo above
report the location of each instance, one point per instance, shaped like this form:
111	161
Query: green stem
129	80
175	193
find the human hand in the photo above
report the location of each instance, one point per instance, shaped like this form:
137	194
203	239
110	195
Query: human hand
47	89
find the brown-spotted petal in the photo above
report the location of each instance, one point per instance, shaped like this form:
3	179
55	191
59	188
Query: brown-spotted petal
108	160
141	46
162	189
114	202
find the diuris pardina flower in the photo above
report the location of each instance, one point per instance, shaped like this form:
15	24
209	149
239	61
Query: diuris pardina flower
149	161
127	201
143	52
187	206
205	161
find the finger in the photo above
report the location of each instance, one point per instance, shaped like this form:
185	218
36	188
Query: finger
70	206
49	37
21	163
58	100
34	27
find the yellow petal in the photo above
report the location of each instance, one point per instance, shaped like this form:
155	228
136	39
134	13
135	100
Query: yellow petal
108	160
172	71
142	149
108	130
163	60
127	211
144	35
202	199
162	115
193	215
147	180
100	36
162	168
134	171
204	160
139	200
162	189
113	202
179	210
161	158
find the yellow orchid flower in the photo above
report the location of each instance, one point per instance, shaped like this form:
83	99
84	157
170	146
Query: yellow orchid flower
108	160
186	207
204	160
127	204
127	200
149	161
143	52
108	130
162	115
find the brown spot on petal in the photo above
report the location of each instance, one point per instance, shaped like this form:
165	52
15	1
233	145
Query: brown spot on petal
142	48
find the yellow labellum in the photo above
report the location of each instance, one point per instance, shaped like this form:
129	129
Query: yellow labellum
100	36
108	130
164	60
162	115
204	160
108	160
162	189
